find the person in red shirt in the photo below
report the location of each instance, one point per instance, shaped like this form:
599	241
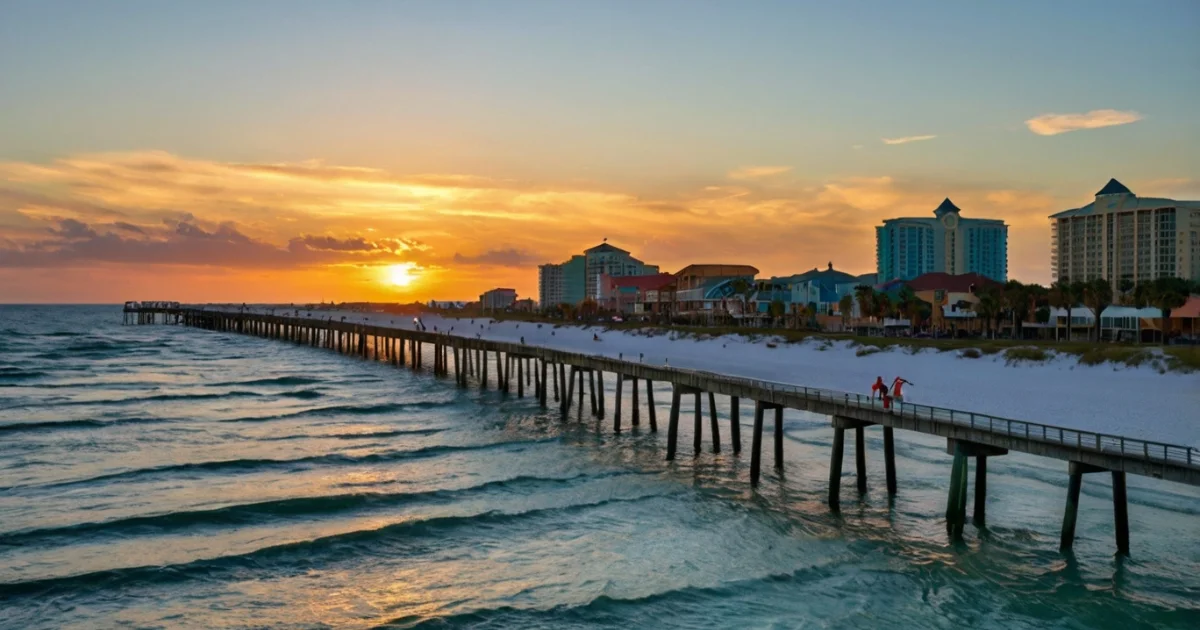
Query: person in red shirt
880	388
897	386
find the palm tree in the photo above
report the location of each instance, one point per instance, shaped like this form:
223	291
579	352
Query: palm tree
775	310
1124	287
845	306
989	306
1062	295
1016	300
865	296
1168	294
1097	294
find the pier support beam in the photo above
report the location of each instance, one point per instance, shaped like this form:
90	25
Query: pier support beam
760	409
697	424
889	460
956	503
636	411
673	421
735	428
835	466
840	425
1120	506
713	422
652	413
617	408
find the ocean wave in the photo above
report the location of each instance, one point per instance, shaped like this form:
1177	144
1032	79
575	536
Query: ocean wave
10	375
254	513
604	609
143	399
52	425
352	436
303	394
351	410
281	380
266	559
252	464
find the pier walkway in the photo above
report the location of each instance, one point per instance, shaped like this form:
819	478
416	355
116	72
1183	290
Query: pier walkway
968	434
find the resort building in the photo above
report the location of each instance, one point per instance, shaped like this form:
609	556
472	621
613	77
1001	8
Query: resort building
714	290
817	290
497	299
637	295
1120	236
952	297
605	259
908	247
577	279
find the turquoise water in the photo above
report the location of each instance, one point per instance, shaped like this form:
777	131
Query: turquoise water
161	477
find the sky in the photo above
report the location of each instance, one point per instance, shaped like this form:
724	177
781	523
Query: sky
300	151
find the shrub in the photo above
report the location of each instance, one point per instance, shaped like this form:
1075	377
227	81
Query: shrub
970	353
1027	353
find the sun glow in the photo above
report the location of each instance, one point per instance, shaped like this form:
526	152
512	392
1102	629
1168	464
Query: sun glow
400	275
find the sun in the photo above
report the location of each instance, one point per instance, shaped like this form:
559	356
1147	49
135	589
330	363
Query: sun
400	275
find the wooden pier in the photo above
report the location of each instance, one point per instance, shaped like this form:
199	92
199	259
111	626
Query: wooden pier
566	374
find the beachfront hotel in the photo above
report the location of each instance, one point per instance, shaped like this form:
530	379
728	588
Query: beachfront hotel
577	279
909	247
1121	236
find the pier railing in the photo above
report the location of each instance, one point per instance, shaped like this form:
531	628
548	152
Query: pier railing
1081	440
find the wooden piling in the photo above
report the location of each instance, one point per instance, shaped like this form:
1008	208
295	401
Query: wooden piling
889	460
756	444
860	459
673	423
735	429
697	424
835	467
715	428
979	515
617	407
651	412
1120	512
635	417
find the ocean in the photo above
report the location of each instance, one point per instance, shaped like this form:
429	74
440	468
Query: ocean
166	477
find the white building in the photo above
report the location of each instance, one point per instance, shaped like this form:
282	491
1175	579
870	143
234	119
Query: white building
1120	236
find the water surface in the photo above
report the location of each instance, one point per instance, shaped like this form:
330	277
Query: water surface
158	476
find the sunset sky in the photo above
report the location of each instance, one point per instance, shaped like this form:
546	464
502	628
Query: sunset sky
300	151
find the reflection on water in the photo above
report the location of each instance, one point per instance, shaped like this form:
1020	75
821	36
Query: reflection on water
156	476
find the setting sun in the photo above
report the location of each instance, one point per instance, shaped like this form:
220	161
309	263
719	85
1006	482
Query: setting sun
400	275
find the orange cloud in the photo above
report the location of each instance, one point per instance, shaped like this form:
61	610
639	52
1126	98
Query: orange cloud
758	172
323	230
907	139
1054	124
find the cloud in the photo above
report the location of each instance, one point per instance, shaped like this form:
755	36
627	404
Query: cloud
329	243
185	243
128	227
169	219
499	258
758	172
72	229
907	139
1054	124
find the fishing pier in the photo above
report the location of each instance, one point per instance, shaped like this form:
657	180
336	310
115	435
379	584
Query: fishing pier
561	377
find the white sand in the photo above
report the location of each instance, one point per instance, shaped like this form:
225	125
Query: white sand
1130	402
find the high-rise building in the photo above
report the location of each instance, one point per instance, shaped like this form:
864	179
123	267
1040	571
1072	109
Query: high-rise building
908	247
614	262
550	285
575	280
1120	236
